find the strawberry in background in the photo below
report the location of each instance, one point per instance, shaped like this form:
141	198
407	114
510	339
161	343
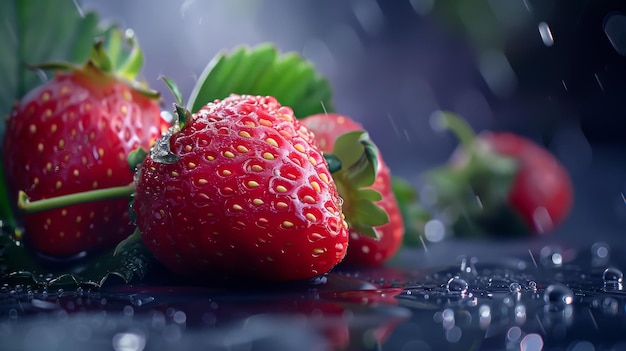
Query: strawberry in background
73	134
499	183
363	249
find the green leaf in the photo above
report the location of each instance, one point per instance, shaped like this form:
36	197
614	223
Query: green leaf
333	162
173	87
136	157
359	157
414	214
371	214
403	190
369	194
36	31
129	261
262	70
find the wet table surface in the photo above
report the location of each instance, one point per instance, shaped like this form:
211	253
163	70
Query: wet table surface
530	298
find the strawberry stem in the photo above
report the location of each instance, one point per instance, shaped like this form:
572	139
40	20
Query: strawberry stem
457	125
29	207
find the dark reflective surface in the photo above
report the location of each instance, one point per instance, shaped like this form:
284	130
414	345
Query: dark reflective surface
509	296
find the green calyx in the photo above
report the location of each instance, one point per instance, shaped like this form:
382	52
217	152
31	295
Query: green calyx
357	157
114	55
473	187
414	214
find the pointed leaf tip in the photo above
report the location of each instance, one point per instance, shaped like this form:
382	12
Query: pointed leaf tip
174	89
136	157
183	116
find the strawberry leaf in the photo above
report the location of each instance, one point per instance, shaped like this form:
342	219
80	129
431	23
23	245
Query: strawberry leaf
136	157
37	31
262	70
414	214
358	158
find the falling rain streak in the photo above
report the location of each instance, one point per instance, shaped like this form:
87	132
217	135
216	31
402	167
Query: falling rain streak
546	34
79	9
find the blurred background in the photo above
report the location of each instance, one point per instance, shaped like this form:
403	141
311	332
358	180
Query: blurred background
552	70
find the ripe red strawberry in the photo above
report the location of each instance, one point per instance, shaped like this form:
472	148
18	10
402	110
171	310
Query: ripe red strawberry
363	250
240	189
500	183
73	134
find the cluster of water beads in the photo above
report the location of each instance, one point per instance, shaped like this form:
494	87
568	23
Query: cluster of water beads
539	296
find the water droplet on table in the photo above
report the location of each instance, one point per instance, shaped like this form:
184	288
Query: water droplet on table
612	278
558	296
551	256
600	254
457	285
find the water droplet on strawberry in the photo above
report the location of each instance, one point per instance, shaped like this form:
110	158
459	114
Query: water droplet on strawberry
161	151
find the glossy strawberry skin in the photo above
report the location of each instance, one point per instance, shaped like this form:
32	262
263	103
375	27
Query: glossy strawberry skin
73	134
250	195
363	250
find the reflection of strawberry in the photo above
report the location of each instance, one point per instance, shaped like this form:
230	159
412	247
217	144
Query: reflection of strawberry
363	250
73	134
240	189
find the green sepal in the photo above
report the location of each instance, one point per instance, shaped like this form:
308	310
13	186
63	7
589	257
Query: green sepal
359	157
414	213
333	162
136	157
365	215
127	243
473	188
124	52
370	195
263	70
173	87
183	116
99	58
369	213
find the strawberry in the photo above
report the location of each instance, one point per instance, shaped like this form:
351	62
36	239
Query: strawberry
363	249
240	188
499	183
72	134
